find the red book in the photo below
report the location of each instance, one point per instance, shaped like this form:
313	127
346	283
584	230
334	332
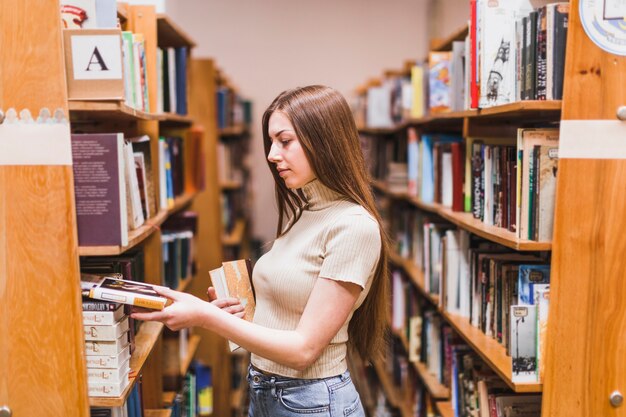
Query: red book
458	176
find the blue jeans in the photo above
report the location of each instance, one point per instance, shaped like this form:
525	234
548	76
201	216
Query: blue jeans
279	396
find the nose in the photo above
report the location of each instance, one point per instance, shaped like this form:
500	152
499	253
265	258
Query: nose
274	154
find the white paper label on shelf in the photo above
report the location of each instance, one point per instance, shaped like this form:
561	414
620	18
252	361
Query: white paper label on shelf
35	144
97	57
592	139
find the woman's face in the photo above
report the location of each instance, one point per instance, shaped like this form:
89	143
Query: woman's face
287	153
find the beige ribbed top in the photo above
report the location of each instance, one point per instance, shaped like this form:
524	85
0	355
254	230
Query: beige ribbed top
334	238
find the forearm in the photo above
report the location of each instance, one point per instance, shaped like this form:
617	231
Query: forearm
286	347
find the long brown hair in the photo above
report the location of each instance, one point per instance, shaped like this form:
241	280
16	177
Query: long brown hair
324	125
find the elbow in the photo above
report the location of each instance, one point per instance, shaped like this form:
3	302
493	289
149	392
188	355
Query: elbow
305	358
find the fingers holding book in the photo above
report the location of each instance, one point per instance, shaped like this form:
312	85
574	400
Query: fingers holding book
230	305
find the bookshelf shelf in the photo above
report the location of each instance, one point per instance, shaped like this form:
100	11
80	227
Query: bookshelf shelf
493	353
235	237
231	131
145	340
382	131
446	43
168	397
436	390
174	119
158	413
194	341
445	408
237	396
468	222
230	185
170	34
116	110
524	108
390	391
135	237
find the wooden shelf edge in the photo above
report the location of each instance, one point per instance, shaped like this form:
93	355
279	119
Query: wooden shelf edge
103	107
174	118
230	185
235	238
157	413
145	340
467	222
436	390
445	408
168	397
492	352
193	343
164	22
237	130
180	202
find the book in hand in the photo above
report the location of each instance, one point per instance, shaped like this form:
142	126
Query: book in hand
234	279
113	288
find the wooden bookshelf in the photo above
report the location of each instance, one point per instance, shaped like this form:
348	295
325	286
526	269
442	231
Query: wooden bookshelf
237	396
194	341
527	110
111	110
390	391
446	43
436	389
168	397
174	119
238	130
180	202
236	236
445	408
492	352
467	222
157	413
145	340
230	185
170	34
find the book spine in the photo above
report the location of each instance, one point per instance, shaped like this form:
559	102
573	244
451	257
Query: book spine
541	54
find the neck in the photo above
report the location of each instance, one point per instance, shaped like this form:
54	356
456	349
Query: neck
319	196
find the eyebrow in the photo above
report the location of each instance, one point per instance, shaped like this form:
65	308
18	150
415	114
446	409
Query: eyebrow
279	132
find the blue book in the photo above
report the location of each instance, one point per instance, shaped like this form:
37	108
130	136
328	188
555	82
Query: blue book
531	274
181	80
427	194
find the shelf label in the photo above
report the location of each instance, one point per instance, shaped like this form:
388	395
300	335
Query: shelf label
592	139
96	57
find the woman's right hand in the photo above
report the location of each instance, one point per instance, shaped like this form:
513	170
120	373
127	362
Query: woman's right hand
230	305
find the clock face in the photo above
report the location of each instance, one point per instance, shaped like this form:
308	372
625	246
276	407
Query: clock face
604	22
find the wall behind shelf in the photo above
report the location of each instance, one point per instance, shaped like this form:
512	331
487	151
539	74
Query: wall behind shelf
269	46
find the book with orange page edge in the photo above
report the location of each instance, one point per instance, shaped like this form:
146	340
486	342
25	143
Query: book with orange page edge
234	279
113	288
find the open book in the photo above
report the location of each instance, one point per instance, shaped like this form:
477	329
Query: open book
113	288
234	279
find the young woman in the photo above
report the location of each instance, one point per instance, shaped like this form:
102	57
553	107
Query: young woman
322	288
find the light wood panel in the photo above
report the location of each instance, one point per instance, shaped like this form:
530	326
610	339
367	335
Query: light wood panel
41	345
586	352
213	350
236	236
158	413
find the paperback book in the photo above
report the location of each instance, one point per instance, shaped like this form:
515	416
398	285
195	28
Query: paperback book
233	279
113	288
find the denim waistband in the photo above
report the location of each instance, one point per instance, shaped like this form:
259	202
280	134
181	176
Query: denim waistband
261	378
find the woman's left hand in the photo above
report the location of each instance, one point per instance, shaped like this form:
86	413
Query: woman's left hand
185	311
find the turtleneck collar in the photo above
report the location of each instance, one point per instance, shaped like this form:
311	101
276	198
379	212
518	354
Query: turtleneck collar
320	196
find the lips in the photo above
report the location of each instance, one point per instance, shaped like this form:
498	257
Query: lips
282	171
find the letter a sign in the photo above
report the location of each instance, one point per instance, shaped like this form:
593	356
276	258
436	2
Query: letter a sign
97	57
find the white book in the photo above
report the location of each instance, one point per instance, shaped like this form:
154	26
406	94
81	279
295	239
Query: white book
110	348
379	107
100	318
110	375
171	63
109	361
453	262
523	330
135	211
398	307
446	179
464	274
106	332
107	389
159	69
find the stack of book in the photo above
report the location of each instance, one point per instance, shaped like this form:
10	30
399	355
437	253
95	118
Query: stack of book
107	347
